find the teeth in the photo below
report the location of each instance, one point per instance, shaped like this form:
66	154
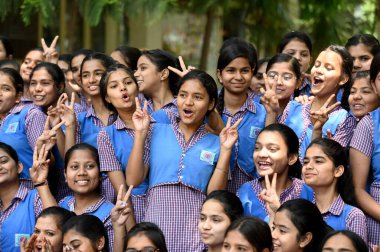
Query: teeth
38	97
82	182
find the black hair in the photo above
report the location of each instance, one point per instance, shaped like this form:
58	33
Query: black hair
130	55
7	45
83	51
104	82
82	146
366	39
231	49
151	231
10	151
66	58
375	68
60	214
259	63
88	226
7	62
295	35
162	59
358	76
255	231
358	242
206	80
53	70
15	77
347	65
291	140
337	154
104	59
306	217
231	203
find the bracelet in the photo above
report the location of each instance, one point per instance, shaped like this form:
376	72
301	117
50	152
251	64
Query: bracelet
225	172
41	184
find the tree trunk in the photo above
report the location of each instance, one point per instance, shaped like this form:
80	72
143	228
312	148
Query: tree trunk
210	17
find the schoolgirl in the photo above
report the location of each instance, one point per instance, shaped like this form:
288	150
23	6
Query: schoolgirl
362	48
325	170
257	81
343	240
182	161
363	97
248	234
127	56
157	84
118	90
19	206
276	159
145	236
331	70
236	62
219	210
298	226
20	125
364	161
298	44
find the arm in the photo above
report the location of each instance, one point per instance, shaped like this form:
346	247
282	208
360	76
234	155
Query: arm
228	138
360	166
136	171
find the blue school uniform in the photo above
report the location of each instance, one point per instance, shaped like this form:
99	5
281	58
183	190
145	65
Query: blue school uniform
20	223
304	132
89	131
375	159
254	206
13	133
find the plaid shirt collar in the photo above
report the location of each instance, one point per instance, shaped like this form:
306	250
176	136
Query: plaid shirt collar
90	209
249	105
20	195
336	207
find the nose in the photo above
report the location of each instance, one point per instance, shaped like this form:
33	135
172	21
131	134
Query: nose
137	72
31	65
238	75
298	56
262	153
357	96
189	100
206	225
357	64
82	171
274	234
38	87
92	78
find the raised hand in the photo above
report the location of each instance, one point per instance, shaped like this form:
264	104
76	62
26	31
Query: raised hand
304	99
50	53
141	118
229	135
40	169
122	209
320	117
27	245
269	97
269	195
66	109
184	70
48	136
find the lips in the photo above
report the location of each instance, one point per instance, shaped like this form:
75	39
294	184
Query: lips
125	97
82	182
38	97
188	112
93	87
263	165
317	80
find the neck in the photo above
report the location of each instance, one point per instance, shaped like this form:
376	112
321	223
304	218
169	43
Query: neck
162	97
283	182
98	105
324	197
319	101
83	201
188	130
233	102
283	103
126	117
7	192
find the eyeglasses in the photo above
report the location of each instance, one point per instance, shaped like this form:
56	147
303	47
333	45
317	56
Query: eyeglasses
145	249
285	76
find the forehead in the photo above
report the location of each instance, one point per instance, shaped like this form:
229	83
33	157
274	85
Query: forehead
93	64
281	67
47	222
330	57
359	49
82	155
193	86
5	79
139	241
362	82
297	45
77	60
41	73
144	60
34	55
315	150
239	62
213	206
118	74
271	137
283	218
4	153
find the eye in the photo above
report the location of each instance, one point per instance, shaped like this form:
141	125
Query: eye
114	85
241	248
226	245
90	166
99	73
5	89
230	70
305	55
202	218
50	233
257	148
182	95
33	83
198	97
245	71
272	75
305	161
287	77
37	231
46	83
85	75
74	167
216	220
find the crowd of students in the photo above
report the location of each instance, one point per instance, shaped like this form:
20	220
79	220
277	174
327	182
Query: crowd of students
138	152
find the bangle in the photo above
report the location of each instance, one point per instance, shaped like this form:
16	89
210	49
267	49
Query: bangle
225	172
41	184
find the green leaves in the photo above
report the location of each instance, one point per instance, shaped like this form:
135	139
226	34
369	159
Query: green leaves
46	8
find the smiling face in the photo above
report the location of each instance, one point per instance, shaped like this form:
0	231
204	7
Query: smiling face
121	90
327	74
92	71
46	227
32	59
286	79
8	95
213	223
9	170
271	154
78	242
338	243
43	91
300	51
362	98
362	57
236	76
76	62
82	172
193	102
147	76
319	169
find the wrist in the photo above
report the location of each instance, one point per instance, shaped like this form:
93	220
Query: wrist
38	184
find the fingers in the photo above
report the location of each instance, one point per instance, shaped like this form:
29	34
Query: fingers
267	87
145	109
46	127
41	152
138	106
182	63
62	98
267	182
332	107
175	70
228	122
44	46
274	182
120	193
328	101
72	101
329	135
56	127
128	194
236	124
54	43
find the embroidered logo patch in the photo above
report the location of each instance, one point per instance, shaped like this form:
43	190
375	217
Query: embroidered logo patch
18	238
254	132
12	128
207	156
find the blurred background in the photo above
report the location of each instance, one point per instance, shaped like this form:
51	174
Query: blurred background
194	29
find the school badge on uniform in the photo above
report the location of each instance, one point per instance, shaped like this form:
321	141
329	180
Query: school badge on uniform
207	156
12	128
18	238
254	132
